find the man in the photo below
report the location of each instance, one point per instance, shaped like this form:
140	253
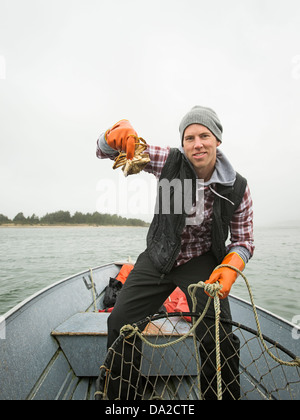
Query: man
179	253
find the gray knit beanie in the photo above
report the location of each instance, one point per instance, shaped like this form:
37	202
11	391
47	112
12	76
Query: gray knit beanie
203	116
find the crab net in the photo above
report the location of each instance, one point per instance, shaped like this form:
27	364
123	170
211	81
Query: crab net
158	359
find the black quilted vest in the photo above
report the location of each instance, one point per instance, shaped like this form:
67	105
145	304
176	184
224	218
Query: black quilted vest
164	236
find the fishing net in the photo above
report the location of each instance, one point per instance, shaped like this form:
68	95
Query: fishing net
150	361
164	358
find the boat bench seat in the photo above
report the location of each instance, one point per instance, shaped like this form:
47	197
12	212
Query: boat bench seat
83	339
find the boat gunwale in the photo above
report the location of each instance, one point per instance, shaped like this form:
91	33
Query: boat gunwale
266	312
29	299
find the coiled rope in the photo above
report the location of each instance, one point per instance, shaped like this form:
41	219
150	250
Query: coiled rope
213	290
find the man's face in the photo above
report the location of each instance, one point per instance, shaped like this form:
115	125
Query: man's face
200	147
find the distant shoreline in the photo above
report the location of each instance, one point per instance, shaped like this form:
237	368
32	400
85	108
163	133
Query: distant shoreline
82	225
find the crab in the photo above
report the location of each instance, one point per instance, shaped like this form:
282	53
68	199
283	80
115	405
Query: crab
137	163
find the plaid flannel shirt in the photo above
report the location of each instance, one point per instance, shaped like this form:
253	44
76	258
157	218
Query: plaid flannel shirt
196	239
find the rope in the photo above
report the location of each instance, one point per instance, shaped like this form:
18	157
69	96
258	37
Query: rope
296	361
94	292
213	290
129	331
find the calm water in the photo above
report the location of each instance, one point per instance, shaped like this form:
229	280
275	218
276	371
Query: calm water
33	258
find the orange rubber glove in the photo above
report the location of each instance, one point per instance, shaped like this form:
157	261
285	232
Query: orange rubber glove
121	137
226	276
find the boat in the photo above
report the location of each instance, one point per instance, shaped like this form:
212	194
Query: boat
53	347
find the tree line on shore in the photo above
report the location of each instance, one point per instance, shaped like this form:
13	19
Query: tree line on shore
65	218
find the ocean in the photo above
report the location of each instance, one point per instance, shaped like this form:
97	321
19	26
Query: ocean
32	258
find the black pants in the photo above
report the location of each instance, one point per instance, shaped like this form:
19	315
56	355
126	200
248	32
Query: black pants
144	293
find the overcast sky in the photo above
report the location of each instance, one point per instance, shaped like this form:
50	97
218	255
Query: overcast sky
69	69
